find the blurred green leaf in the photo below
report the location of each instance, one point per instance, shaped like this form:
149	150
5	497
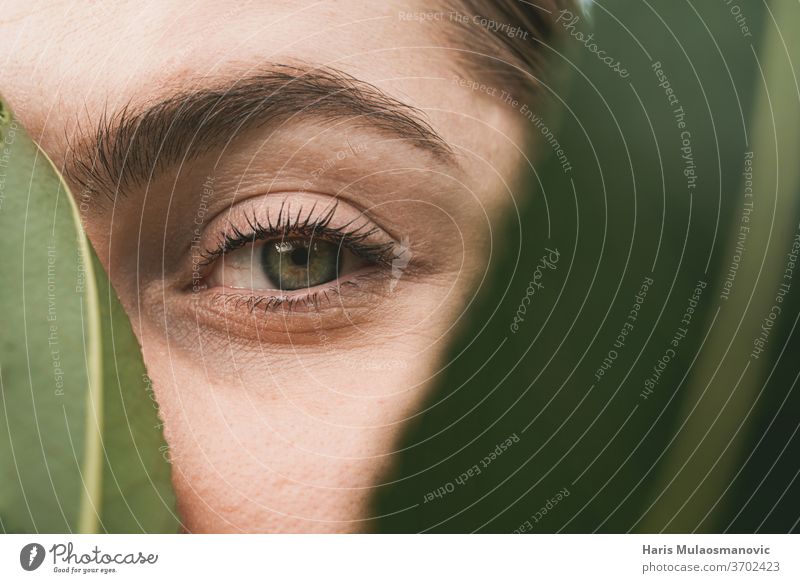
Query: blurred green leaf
81	447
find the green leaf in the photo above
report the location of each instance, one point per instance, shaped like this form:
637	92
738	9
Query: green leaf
81	446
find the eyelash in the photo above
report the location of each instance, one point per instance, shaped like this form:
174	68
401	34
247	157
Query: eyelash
267	303
299	224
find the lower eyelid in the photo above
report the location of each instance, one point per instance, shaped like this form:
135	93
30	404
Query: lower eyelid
297	319
316	297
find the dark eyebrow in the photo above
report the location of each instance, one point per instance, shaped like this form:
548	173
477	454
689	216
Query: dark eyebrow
128	147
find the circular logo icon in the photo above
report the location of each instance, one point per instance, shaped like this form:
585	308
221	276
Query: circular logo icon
31	556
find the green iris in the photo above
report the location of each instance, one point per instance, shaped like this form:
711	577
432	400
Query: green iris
297	263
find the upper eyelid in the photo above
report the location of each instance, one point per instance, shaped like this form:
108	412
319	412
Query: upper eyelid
255	225
288	188
349	233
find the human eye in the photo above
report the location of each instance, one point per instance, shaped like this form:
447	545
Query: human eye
294	253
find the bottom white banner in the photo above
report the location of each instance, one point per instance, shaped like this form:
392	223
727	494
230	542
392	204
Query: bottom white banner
401	558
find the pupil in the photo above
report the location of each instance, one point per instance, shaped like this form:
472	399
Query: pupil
299	256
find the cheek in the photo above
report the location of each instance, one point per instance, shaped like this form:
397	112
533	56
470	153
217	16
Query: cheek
294	440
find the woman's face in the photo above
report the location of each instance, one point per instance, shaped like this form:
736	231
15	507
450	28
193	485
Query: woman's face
296	203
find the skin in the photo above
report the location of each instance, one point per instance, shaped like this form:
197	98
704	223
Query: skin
278	421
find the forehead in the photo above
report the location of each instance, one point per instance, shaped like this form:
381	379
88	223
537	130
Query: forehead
76	62
97	56
151	44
